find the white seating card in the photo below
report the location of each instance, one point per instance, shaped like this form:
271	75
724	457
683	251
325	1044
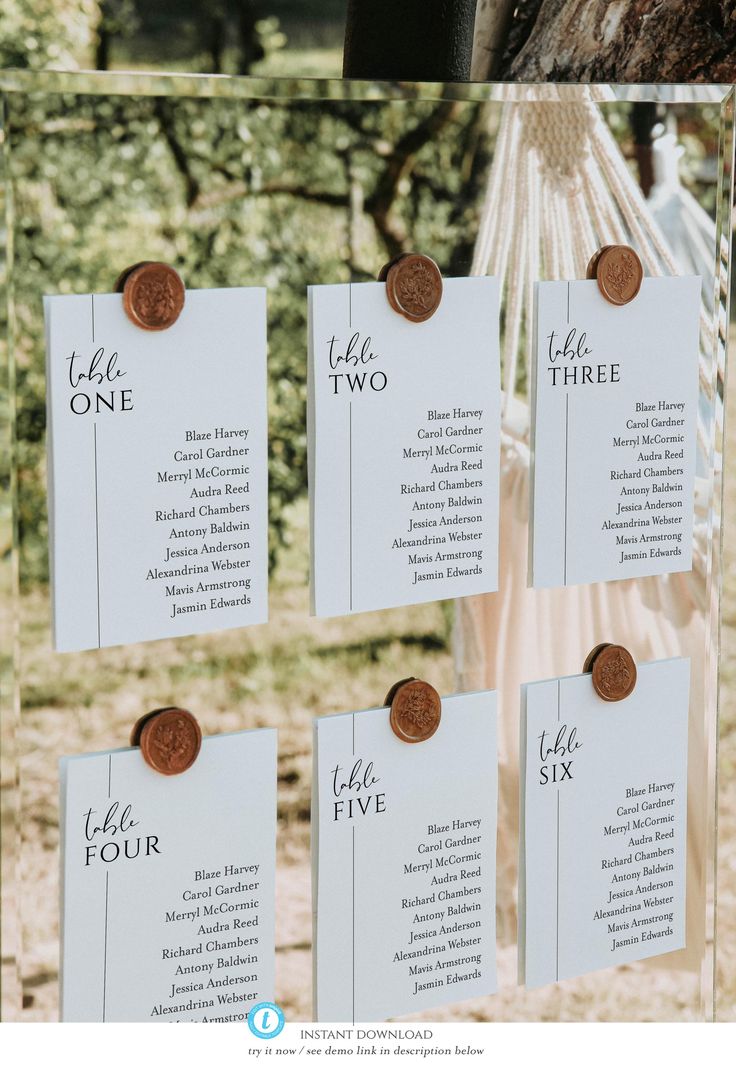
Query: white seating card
604	823
404	853
168	884
157	468
403	431
615	395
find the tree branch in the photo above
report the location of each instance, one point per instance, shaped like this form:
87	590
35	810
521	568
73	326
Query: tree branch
399	165
238	190
314	196
165	118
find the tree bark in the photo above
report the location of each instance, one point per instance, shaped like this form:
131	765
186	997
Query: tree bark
409	40
493	21
622	41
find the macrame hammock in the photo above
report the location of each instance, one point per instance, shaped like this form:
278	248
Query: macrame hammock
560	188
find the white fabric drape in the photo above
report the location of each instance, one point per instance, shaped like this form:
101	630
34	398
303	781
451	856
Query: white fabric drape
559	189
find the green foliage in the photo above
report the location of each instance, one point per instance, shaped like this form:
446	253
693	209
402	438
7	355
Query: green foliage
230	193
208	36
47	34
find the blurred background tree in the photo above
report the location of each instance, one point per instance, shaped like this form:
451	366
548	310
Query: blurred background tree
229	192
200	36
243	193
118	20
39	34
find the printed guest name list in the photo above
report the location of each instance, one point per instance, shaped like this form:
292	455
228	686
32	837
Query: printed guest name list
404	431
650	493
444	924
643	866
158	469
207	548
213	961
445	501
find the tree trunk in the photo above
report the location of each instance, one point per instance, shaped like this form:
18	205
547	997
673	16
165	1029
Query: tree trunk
622	41
250	47
102	52
409	40
642	120
217	44
492	23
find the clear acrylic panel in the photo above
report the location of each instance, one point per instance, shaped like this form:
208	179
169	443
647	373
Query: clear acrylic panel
286	183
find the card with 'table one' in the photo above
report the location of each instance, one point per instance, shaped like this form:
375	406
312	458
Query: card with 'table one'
157	454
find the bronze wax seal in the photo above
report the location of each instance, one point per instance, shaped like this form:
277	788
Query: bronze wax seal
592	270
613	672
619	273
413	286
153	295
416	709
593	655
169	739
122	278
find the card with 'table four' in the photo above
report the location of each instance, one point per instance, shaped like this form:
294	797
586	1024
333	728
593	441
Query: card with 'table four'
404	436
157	450
615	413
168	884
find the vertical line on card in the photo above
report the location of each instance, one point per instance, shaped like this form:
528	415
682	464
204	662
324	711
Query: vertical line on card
567	425
104	959
353	925
557	919
350	497
353	889
97	538
567	456
557	904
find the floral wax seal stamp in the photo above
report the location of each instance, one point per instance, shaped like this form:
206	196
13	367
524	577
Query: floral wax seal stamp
619	273
416	709
413	286
169	740
613	672
153	295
